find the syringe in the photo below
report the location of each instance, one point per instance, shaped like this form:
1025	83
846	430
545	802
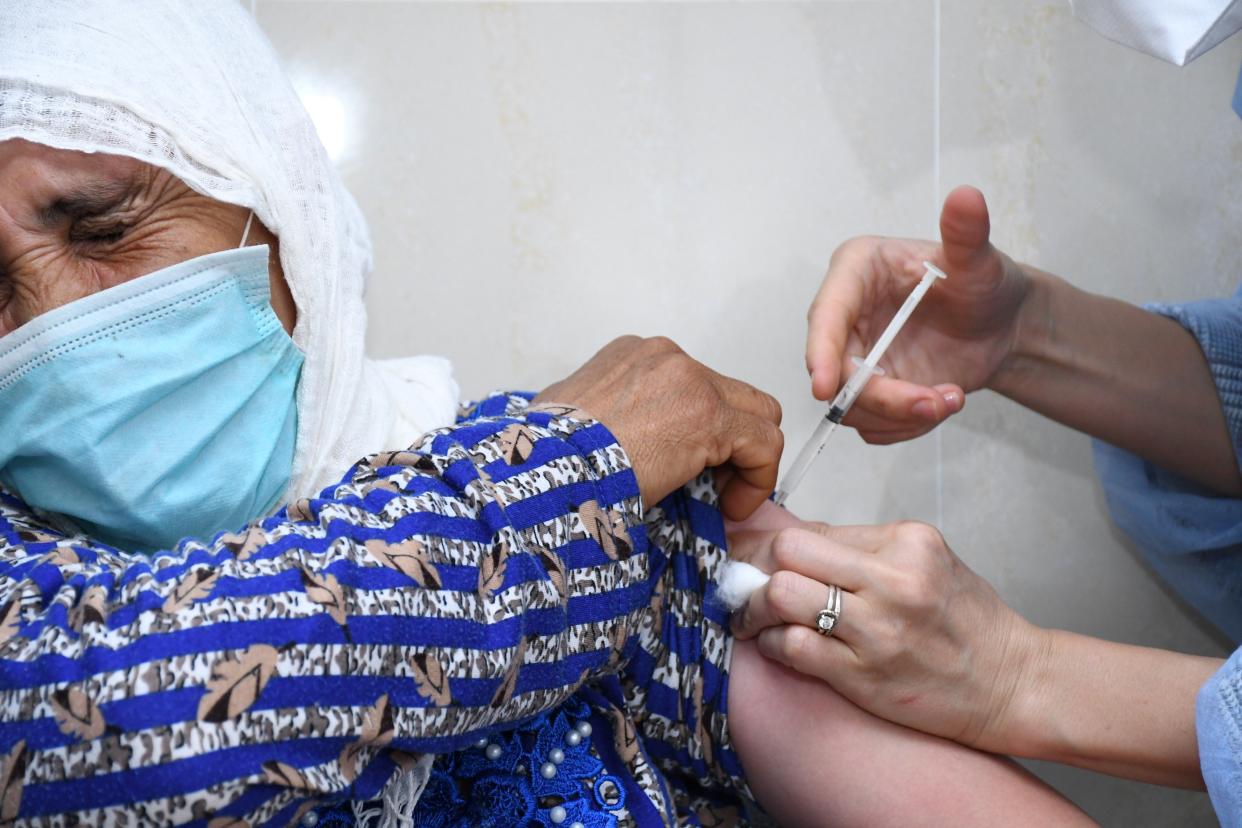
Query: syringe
844	400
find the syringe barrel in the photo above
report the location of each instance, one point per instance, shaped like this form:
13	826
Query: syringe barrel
802	463
854	386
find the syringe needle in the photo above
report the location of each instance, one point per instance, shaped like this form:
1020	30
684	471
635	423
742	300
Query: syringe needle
844	401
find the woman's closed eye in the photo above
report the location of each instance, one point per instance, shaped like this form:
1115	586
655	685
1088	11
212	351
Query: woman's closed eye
97	230
96	212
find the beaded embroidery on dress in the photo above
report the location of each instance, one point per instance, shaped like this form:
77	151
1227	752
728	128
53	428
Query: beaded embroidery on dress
541	774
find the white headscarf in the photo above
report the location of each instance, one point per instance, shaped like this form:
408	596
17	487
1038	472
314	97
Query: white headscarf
194	87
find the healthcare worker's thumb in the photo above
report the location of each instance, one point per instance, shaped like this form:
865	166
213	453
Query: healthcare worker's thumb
964	228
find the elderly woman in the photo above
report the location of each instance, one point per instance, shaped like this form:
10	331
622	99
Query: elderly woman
484	626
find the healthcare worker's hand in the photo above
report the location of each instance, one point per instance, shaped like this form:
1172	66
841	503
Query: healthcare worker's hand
675	417
955	342
922	640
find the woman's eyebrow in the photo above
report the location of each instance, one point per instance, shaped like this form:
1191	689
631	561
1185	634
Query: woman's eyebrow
88	199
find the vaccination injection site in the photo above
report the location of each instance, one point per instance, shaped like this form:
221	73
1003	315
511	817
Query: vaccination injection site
578	414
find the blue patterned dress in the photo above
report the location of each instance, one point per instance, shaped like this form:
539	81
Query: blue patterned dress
495	596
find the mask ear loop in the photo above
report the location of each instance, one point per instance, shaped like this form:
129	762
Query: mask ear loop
246	232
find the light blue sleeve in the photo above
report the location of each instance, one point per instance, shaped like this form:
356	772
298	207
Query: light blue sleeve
1218	720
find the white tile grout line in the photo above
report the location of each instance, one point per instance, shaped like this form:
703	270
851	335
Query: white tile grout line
938	441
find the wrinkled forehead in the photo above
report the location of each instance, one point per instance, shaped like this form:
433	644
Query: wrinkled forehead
193	88
36	179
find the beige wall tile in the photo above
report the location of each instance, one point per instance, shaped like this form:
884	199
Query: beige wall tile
540	178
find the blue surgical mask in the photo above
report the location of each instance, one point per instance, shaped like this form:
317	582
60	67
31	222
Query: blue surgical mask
158	409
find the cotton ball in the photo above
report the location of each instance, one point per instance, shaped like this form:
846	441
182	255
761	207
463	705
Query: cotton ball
737	582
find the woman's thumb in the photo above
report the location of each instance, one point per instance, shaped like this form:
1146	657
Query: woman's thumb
964	228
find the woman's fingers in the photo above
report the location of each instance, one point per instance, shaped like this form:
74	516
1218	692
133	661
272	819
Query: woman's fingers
674	417
863	272
790	598
889	404
829	322
766	550
921	640
906	414
808	652
833	554
804	548
754	457
753	420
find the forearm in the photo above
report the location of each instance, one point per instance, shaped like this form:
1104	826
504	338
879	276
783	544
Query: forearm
1114	708
1117	372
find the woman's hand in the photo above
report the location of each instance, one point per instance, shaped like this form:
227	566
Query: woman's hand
922	640
956	341
925	642
675	417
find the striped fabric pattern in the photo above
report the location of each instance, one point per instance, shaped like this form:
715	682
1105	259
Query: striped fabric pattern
434	596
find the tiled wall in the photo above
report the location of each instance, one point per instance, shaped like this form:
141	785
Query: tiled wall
541	178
